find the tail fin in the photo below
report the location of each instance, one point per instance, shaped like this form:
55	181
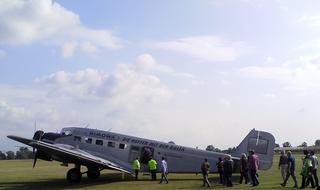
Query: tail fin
262	143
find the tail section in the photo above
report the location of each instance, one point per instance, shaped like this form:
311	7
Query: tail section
262	143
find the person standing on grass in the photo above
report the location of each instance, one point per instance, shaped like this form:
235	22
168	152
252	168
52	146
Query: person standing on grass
306	171
253	167
291	170
205	168
283	165
227	170
136	167
153	169
314	160
220	170
164	170
243	168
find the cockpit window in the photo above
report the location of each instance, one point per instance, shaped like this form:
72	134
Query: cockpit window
66	132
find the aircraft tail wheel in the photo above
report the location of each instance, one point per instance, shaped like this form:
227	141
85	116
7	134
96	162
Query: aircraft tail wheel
93	173
74	175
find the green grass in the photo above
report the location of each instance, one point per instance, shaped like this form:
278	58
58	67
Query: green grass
18	174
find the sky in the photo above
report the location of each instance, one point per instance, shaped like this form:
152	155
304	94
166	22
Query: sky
193	72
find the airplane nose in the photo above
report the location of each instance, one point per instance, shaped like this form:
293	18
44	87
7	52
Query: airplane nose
37	136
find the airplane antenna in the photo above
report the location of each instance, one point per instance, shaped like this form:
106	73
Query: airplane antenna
35	126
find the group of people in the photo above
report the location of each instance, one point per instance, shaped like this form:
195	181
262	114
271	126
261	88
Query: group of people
248	170
153	169
287	166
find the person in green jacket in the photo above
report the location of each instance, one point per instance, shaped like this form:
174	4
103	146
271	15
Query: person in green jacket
153	169
306	171
136	167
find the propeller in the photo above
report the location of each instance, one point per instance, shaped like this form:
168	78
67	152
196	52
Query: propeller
37	136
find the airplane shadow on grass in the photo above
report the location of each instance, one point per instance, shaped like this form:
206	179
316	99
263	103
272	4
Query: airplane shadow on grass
104	179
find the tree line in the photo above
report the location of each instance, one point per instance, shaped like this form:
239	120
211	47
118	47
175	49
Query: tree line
303	144
22	153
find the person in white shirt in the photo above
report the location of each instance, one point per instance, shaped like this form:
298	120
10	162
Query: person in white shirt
164	170
314	160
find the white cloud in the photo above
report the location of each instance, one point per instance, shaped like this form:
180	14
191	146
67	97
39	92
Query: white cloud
146	63
29	21
68	49
269	95
225	102
301	74
206	48
313	21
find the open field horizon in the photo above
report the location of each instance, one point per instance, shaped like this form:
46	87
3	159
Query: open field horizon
19	174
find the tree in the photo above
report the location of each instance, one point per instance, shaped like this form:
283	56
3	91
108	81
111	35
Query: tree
286	144
317	143
24	153
212	148
171	142
304	144
10	155
2	156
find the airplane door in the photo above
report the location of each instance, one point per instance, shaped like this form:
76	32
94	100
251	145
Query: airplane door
134	153
146	154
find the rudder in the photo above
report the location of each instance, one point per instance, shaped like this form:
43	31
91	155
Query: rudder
262	143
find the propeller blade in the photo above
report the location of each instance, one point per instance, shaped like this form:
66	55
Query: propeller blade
35	157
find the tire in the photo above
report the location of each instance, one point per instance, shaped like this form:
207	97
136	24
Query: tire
74	175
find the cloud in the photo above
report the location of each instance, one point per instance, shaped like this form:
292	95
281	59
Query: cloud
313	21
146	63
31	21
301	74
206	48
126	87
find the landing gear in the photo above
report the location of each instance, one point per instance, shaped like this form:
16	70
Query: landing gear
93	173
74	175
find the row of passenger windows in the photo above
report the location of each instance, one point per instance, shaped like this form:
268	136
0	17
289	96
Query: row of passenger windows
100	142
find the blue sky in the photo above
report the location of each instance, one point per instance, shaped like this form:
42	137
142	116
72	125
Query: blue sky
206	70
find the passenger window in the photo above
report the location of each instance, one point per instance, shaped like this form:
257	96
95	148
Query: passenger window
122	146
111	144
99	142
88	140
77	138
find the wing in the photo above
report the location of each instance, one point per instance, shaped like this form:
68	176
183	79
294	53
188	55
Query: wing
69	154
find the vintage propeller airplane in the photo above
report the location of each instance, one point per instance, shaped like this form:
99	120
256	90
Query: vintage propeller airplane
98	150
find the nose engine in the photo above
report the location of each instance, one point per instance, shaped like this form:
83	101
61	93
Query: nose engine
40	136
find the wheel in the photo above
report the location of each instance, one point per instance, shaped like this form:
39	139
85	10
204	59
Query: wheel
74	175
93	173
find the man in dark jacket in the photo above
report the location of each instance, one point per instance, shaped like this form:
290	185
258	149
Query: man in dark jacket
243	168
228	169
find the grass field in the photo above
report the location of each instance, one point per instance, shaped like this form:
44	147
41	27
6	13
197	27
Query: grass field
17	174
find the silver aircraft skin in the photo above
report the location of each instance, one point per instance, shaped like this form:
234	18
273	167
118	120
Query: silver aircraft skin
98	150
